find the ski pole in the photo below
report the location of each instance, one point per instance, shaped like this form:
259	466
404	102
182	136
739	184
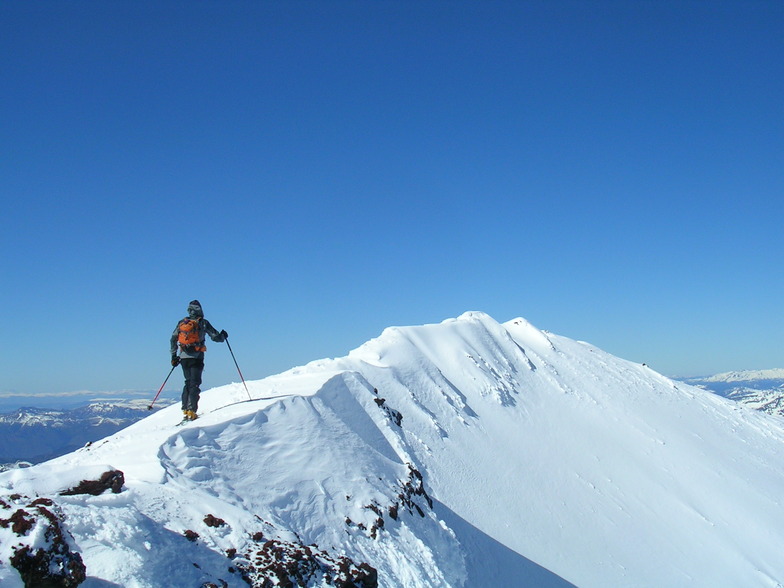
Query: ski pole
238	370
161	388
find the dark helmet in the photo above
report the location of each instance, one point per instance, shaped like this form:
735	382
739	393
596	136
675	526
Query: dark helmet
194	309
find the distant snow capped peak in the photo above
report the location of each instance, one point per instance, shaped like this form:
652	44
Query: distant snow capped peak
761	389
746	376
36	434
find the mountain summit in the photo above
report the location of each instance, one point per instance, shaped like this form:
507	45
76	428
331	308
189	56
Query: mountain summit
466	453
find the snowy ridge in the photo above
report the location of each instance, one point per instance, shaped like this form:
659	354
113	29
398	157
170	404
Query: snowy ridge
466	453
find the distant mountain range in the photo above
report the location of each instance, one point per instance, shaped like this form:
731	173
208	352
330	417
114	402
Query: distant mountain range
760	389
35	434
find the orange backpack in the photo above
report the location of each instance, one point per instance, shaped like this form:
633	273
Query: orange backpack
189	335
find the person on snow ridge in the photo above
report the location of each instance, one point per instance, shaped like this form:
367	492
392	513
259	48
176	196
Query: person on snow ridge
190	335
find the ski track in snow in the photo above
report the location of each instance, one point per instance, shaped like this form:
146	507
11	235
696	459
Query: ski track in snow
548	461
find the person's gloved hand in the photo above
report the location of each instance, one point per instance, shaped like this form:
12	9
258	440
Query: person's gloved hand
175	360
224	334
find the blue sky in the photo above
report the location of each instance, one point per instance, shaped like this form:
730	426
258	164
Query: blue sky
314	172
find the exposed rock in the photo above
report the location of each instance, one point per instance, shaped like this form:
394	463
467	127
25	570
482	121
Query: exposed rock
287	564
43	556
111	480
411	488
392	414
190	535
213	521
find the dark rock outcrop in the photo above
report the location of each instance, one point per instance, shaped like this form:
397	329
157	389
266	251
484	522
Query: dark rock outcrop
287	564
111	480
47	563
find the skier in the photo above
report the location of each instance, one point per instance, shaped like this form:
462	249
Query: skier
189	335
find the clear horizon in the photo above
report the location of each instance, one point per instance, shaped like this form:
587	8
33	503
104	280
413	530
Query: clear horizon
316	172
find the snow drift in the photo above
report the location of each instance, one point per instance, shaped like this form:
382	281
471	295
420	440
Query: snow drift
467	453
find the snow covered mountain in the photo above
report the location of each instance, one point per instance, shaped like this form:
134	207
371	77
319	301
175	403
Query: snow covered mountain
466	453
760	389
35	434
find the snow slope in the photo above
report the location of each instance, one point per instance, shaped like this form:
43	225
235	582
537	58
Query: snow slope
544	462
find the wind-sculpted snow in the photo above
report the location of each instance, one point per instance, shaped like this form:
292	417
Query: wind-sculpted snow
467	453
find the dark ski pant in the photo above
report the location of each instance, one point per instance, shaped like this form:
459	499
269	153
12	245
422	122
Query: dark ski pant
191	369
